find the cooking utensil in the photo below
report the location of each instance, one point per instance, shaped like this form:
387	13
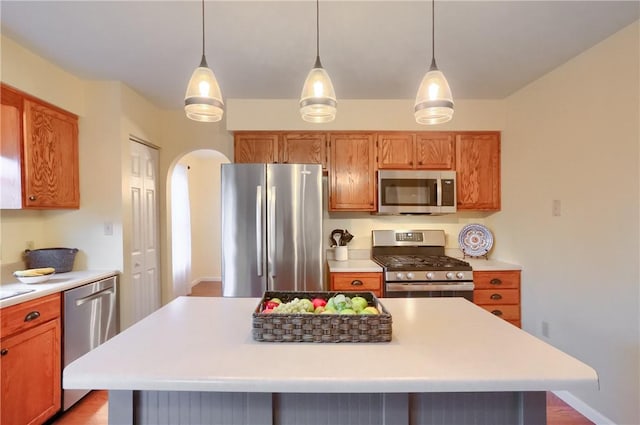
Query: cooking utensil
336	235
346	238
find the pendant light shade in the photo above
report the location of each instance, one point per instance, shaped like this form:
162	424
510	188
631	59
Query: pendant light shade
318	99
434	103
203	99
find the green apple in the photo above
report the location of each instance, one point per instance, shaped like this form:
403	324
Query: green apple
318	310
347	311
358	303
370	310
329	310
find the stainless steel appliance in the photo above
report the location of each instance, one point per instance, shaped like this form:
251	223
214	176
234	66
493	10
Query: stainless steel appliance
415	265
416	192
90	318
271	228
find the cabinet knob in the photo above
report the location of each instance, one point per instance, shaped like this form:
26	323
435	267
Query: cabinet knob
4	352
497	312
496	297
32	316
356	283
496	281
32	198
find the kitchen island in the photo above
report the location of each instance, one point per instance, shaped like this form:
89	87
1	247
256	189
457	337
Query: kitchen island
449	362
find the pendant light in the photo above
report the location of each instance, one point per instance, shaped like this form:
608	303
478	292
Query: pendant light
203	100
434	103
318	99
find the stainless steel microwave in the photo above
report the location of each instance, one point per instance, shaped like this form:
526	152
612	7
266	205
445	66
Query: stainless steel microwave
416	192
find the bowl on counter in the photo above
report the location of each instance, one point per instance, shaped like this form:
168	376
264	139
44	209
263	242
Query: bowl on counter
33	276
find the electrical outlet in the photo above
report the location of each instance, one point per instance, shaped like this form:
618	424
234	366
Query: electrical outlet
545	329
108	228
555	208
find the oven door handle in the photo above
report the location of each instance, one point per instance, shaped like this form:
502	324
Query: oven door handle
406	287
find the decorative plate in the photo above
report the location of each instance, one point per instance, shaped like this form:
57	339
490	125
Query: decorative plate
475	240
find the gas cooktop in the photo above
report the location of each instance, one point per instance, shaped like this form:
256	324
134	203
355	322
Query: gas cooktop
421	262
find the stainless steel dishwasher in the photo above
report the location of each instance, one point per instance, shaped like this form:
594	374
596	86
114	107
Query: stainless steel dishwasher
90	318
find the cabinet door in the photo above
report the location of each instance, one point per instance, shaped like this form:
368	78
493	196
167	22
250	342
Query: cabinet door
435	151
50	157
396	151
256	147
10	143
352	175
31	375
304	148
478	171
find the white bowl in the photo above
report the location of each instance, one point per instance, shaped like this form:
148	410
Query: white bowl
34	279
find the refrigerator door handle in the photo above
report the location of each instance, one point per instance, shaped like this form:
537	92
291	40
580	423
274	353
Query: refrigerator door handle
272	231
259	254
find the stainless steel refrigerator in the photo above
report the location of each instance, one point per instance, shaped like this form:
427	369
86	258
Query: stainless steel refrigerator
271	228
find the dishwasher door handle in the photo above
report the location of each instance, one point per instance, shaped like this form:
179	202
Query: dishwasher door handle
95	295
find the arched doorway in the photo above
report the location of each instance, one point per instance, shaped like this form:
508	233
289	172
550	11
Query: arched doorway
195	220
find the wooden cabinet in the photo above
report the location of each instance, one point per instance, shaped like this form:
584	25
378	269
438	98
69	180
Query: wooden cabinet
40	142
426	151
256	147
352	179
499	293
30	365
281	148
357	282
478	171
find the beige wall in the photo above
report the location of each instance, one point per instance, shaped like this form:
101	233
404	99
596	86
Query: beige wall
574	136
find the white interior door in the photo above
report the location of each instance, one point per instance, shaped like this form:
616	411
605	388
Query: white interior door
145	273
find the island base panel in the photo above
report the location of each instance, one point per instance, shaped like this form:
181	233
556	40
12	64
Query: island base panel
223	408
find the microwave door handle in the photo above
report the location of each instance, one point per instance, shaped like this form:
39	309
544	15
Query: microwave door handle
439	192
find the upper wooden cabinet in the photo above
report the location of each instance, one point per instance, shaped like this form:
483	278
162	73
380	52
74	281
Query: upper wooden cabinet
426	151
256	147
478	171
352	178
281	148
40	142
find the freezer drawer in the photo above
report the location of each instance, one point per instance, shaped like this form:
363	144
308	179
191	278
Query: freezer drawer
90	318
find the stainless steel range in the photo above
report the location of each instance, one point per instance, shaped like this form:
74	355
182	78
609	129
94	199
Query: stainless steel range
415	265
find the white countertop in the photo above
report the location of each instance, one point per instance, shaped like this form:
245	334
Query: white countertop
438	345
58	283
362	266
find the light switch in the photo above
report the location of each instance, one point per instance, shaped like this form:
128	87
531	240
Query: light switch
555	208
108	228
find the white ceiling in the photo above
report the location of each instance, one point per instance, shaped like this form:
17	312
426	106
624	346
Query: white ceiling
264	49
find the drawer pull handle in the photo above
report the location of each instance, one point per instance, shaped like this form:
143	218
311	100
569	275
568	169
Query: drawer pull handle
496	297
4	352
496	281
356	282
497	312
32	198
32	316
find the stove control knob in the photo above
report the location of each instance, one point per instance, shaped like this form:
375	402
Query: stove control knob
399	276
429	275
449	275
460	275
410	275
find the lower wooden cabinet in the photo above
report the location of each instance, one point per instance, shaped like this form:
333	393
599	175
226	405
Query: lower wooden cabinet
499	293
30	365
356	282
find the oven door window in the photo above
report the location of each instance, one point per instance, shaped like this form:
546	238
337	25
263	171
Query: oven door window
409	192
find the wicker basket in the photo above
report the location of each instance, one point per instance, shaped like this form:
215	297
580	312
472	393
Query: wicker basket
271	327
60	259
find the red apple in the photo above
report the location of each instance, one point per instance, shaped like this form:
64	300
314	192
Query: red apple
267	310
318	302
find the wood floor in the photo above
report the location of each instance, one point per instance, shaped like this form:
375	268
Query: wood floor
92	410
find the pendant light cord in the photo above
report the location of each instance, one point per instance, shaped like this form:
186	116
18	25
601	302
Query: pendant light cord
433	36
318	28
202	27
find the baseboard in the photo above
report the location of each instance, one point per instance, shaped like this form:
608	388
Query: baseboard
205	279
583	408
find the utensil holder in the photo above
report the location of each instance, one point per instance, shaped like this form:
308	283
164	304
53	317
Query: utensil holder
341	253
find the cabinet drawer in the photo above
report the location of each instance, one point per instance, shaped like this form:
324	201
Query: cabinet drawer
503	311
28	314
497	279
356	282
496	296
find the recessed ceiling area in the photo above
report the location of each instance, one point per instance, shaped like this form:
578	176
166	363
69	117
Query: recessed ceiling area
264	49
